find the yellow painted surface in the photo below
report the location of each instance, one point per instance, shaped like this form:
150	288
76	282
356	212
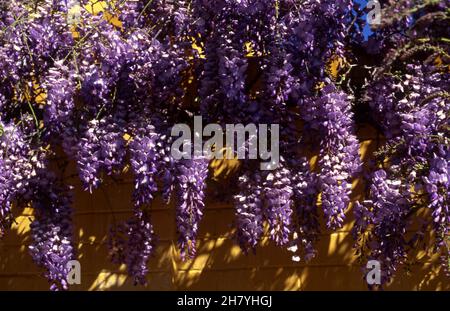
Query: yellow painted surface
220	264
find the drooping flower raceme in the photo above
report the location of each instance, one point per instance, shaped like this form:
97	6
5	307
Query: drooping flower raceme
331	116
278	195
18	165
385	210
51	230
191	183
249	215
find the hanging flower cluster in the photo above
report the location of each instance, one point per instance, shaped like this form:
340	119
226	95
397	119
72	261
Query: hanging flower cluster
105	81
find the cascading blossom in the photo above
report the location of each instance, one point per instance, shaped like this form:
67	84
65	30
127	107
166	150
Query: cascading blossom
25	178
278	194
437	187
249	216
102	86
58	113
191	183
409	99
52	245
385	210
18	165
306	226
331	116
101	148
144	160
139	247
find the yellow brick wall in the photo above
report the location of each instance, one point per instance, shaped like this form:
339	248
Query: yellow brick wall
220	265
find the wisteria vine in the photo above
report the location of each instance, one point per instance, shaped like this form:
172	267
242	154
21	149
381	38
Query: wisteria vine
103	82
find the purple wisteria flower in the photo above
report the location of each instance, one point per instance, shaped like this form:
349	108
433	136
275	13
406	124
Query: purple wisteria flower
331	116
249	215
191	182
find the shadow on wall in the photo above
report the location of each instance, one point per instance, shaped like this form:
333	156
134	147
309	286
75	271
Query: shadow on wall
220	264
